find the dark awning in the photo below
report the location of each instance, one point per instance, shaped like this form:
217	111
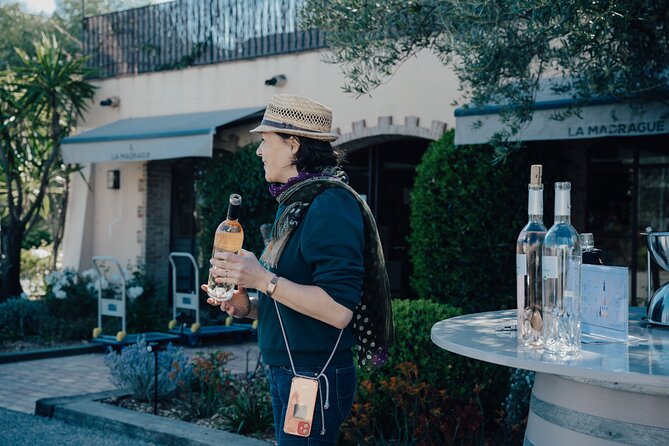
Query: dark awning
155	137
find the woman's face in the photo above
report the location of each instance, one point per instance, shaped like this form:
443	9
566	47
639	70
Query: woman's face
277	156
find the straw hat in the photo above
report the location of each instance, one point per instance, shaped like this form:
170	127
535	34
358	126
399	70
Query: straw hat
297	115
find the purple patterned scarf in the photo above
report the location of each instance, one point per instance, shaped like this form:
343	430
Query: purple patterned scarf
275	189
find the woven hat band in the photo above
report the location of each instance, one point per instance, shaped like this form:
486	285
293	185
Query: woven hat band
284	125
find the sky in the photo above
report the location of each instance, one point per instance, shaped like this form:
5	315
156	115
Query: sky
45	6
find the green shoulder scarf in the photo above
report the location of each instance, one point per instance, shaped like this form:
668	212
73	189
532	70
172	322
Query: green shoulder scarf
372	318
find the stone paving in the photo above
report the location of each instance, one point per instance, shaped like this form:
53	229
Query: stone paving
23	383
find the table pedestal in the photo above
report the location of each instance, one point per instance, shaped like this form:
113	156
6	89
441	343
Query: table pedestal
570	411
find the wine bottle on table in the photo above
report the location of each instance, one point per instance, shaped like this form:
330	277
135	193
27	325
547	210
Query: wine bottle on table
528	265
561	271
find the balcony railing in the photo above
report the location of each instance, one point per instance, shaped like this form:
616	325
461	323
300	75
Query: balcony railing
185	33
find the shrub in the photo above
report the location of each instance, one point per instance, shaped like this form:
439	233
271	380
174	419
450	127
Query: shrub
134	369
146	312
72	299
35	264
20	318
425	376
203	395
412	412
517	404
248	409
71	304
465	216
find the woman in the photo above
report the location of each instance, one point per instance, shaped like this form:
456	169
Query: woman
324	256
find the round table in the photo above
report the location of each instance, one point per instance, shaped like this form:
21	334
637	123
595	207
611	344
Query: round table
610	393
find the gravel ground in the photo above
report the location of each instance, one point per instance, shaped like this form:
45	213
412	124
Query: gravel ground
20	429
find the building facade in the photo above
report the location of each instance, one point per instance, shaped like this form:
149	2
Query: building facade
150	213
181	80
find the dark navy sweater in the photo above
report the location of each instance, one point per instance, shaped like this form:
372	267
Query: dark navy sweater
326	250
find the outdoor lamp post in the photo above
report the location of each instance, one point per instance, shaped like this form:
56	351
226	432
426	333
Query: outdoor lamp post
155	347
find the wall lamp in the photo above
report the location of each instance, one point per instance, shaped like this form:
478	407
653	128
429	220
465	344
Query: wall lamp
113	101
277	81
113	179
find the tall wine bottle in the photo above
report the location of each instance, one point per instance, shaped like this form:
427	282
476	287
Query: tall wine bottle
229	237
561	271
528	265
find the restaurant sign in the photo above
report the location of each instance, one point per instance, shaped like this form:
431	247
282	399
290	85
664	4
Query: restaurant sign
131	155
145	149
618	129
595	121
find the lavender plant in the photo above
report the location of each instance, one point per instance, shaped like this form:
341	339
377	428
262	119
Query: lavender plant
134	370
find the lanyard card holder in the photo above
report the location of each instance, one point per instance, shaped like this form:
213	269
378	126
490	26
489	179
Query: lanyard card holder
301	406
303	392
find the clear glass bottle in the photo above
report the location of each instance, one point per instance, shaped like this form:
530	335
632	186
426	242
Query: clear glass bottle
229	237
528	265
561	278
591	255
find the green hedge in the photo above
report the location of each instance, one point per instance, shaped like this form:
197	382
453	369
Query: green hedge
423	391
465	216
413	321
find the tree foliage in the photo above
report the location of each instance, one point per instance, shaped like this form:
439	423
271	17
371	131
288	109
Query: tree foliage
69	14
19	30
500	49
40	100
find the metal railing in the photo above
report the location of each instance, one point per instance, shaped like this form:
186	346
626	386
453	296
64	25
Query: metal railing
185	33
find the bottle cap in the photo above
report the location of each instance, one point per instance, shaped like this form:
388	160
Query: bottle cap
235	199
233	208
587	241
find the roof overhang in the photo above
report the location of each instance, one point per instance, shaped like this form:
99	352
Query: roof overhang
601	118
155	137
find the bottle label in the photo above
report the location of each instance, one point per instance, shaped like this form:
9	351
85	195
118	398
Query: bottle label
535	202
549	267
521	265
229	241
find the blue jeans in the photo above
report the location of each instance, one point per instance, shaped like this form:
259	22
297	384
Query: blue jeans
342	382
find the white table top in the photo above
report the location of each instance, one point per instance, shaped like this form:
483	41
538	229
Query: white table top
635	366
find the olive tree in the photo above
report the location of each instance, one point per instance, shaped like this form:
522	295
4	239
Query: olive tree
500	49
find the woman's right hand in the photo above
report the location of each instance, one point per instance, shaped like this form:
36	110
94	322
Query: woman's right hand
238	306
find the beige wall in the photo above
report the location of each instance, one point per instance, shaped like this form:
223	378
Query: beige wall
118	213
422	87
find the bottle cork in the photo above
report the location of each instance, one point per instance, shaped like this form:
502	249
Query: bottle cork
535	174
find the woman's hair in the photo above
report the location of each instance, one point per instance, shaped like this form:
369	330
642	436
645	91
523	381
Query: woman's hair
315	154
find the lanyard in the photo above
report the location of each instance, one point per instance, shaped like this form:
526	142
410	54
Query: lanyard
320	375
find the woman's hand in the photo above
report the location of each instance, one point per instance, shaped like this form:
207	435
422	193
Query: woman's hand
238	306
241	269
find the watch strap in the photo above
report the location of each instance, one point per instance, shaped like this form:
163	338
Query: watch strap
271	287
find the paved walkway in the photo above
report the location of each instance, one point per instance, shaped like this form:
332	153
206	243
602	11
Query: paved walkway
20	429
23	383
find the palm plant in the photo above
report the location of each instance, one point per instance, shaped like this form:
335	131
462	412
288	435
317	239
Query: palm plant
40	101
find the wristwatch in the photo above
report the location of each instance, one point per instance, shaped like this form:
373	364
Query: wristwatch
272	285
